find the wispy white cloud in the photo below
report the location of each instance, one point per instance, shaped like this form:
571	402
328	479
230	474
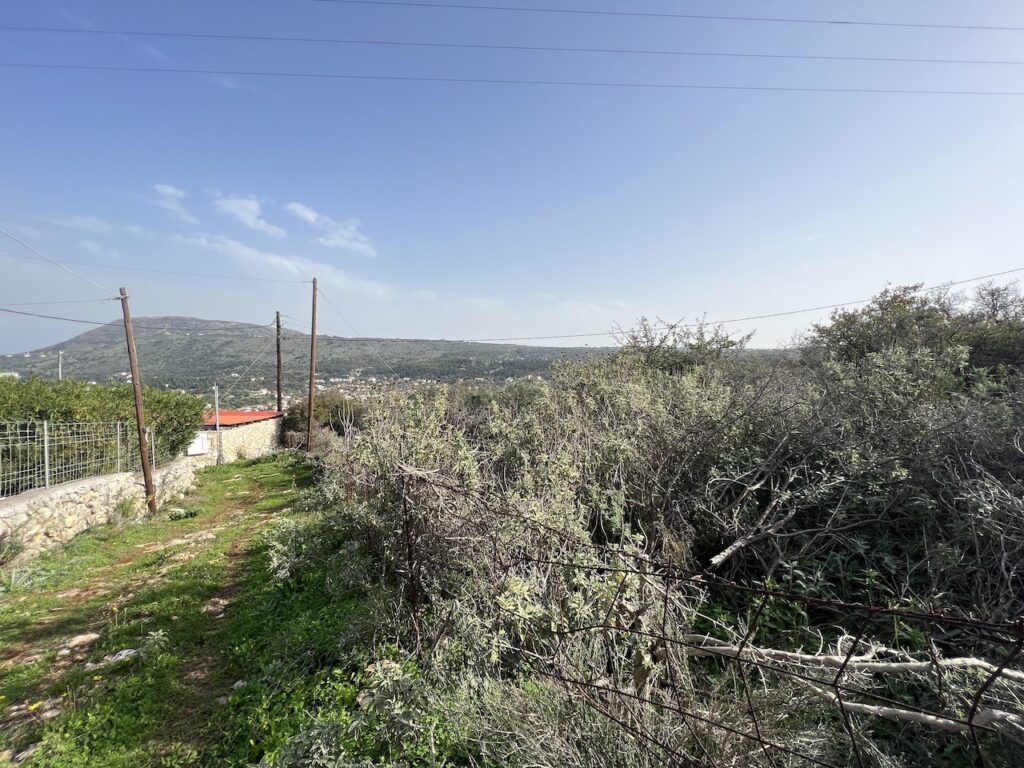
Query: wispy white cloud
343	235
225	81
303	212
95	248
22	229
297	267
149	50
92	224
248	211
170	199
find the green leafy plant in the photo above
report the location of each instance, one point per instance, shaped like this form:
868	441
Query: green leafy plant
173	416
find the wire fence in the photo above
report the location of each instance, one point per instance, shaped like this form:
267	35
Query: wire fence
40	454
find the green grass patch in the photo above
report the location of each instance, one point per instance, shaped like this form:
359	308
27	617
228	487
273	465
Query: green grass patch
204	689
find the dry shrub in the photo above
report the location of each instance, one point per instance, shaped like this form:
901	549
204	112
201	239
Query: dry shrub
531	534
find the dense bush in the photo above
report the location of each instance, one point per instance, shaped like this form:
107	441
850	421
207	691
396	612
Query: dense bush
530	534
173	416
332	409
989	326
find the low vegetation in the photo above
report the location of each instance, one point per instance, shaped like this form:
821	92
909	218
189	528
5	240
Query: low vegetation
575	566
332	410
174	416
680	554
178	641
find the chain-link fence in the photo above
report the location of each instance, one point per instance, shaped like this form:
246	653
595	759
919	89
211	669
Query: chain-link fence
38	454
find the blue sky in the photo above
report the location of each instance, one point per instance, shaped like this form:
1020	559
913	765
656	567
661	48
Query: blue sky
476	211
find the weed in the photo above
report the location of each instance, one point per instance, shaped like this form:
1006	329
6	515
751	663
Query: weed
123	511
10	547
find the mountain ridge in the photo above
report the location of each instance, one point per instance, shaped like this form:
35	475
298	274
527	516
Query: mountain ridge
192	353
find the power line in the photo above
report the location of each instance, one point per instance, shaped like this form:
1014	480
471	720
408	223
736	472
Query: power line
253	363
497	47
665	326
938	287
114	323
296	328
354	331
54	317
68	301
119	268
42	255
671	15
509	81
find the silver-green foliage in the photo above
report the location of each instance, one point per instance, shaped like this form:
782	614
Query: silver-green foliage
521	528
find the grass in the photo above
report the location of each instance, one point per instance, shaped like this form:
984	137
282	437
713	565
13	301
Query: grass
204	689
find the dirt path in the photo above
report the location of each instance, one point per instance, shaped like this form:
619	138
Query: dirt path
119	643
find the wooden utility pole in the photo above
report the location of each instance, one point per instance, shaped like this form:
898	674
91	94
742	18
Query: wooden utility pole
140	414
280	399
312	376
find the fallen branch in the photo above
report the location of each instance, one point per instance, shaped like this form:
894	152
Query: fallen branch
984	717
703	645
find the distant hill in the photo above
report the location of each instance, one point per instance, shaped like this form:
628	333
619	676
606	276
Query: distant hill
193	354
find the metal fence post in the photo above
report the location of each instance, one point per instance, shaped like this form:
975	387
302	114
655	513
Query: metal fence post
46	452
41	453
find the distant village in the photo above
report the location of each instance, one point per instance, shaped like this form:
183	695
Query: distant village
258	393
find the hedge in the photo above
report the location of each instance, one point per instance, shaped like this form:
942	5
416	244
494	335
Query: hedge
173	416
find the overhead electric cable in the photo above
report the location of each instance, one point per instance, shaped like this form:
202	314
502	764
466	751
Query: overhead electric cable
243	374
674	15
53	317
664	326
497	47
68	301
183	329
294	326
510	81
354	331
937	287
42	255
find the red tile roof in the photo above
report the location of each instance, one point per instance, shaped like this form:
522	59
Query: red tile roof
234	418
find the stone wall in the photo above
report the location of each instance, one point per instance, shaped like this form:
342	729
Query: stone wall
40	519
247	441
43	518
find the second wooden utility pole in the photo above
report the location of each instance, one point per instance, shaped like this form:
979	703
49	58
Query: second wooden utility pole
312	376
140	414
280	399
